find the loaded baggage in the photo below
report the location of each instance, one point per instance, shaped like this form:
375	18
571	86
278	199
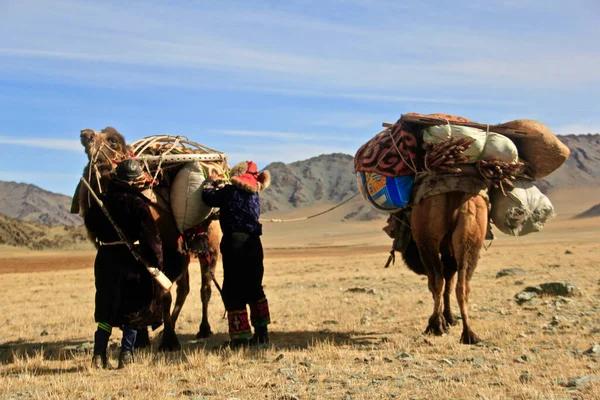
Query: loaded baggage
180	167
391	166
523	209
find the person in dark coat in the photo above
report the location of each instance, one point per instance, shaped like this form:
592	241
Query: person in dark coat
126	295
242	251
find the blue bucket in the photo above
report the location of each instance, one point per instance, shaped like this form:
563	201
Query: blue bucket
385	193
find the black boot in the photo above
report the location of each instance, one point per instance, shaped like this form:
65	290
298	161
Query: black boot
99	361
238	343
125	359
261	336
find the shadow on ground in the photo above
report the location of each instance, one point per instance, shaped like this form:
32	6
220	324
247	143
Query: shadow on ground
297	340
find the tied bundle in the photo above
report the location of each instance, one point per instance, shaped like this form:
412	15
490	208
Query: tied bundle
446	155
499	172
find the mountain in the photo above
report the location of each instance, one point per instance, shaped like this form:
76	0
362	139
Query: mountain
301	188
589	213
329	179
324	180
15	232
30	203
581	169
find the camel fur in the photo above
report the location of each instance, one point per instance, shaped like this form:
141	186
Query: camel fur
448	231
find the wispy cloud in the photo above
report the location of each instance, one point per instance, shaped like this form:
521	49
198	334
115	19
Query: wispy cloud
313	55
54	144
280	135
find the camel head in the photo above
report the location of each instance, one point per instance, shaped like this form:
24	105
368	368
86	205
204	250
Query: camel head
105	147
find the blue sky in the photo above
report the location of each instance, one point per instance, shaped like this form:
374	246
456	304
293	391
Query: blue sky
281	81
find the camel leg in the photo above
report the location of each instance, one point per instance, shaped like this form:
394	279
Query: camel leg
437	324
183	288
169	337
142	338
428	237
207	269
450	278
467	240
207	272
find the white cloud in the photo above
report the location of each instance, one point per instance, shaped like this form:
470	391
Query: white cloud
54	144
280	135
289	52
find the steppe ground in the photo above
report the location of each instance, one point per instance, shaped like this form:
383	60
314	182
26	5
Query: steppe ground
343	326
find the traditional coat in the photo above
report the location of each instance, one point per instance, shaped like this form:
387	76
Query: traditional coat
241	247
126	294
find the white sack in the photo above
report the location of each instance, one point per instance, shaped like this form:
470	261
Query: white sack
523	210
186	197
439	133
499	147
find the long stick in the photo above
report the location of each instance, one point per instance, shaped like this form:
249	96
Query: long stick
156	273
220	292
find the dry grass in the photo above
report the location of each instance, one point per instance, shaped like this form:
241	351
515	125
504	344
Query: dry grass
328	342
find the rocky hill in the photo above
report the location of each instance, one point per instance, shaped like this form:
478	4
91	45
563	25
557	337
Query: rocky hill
590	213
33	235
323	180
329	179
581	169
314	184
27	202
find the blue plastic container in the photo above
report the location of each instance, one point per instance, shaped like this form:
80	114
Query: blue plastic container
385	193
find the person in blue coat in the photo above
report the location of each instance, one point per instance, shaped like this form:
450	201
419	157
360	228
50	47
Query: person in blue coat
242	252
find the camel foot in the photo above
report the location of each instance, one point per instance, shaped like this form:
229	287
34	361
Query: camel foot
169	343
450	319
204	332
437	326
468	337
142	339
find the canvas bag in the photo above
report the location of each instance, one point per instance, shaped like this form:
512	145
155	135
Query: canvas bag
499	147
439	133
186	196
523	210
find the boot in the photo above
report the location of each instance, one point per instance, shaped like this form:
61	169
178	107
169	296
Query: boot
239	343
261	336
239	328
99	361
125	359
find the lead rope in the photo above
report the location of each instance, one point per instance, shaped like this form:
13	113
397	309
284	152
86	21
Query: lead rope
311	216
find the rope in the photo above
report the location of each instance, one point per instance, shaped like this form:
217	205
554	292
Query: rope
311	216
413	168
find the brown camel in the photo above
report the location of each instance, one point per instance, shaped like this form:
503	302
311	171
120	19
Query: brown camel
104	150
448	231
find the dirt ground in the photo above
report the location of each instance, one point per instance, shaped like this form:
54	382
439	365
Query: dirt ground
343	326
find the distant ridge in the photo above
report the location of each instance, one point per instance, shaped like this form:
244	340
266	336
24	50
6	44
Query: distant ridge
28	202
36	236
590	213
316	184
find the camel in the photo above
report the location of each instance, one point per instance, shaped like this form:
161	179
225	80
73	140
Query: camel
104	150
448	231
448	227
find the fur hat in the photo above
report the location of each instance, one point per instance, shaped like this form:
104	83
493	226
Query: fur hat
245	175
